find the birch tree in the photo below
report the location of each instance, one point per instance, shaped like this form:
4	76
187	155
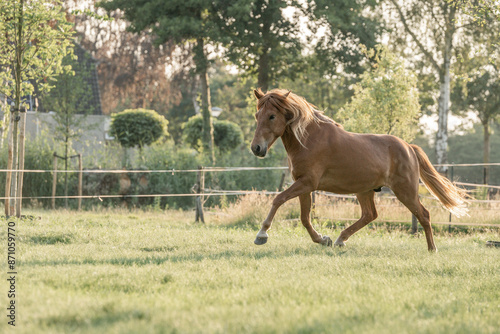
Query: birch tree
434	27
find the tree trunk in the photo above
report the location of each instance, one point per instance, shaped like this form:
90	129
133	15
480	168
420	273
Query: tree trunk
201	62
442	133
10	163
264	70
22	131
263	76
3	113
15	161
444	89
17	107
486	151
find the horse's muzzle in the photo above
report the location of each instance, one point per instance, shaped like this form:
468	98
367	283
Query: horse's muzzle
259	150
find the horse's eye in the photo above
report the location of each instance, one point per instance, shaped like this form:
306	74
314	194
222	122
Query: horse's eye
272	117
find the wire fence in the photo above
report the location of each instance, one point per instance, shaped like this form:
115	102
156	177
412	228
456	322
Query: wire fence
203	192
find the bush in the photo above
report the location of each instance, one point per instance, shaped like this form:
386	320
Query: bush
227	135
167	156
39	156
138	127
161	155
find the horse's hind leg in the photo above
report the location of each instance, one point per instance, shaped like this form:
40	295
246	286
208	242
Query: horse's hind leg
368	214
305	217
409	197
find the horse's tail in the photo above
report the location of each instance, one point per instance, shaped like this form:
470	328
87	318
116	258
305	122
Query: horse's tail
452	198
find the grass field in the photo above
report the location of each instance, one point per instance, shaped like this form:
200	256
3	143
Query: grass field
158	272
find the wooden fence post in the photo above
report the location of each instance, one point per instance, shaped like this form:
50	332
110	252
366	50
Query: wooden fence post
80	181
282	182
54	182
200	184
451	179
414	224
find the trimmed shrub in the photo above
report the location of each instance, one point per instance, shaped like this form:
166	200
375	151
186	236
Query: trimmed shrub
227	135
138	127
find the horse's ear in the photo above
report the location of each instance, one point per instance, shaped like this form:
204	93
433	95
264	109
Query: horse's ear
258	93
286	95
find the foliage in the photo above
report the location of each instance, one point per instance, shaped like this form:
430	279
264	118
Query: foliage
179	22
260	39
38	156
71	95
131	69
437	32
227	135
468	148
345	25
138	127
45	41
329	93
481	11
385	100
35	38
180	112
164	156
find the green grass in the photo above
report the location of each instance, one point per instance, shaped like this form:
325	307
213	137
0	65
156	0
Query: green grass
136	272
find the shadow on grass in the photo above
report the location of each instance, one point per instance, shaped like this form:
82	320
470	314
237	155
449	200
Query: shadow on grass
52	239
191	257
101	317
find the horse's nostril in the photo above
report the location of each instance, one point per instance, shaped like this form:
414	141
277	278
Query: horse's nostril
257	148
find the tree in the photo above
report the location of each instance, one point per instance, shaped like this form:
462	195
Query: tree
181	22
71	101
482	95
346	25
478	66
479	91
35	38
259	39
385	100
434	26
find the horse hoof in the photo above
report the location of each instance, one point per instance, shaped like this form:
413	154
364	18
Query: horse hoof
339	243
260	240
327	241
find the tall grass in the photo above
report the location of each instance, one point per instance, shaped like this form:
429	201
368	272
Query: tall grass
253	208
158	272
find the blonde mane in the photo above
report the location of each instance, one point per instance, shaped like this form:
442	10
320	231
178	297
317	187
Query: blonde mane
297	110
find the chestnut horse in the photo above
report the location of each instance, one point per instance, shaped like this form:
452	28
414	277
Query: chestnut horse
323	156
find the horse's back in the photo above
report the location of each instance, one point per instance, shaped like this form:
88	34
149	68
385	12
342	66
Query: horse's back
354	162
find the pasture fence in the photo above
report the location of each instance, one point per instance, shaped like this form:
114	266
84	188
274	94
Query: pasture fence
202	193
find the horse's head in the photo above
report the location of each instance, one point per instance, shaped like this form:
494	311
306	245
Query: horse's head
272	119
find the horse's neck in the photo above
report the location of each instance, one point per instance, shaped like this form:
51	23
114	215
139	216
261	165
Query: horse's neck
290	142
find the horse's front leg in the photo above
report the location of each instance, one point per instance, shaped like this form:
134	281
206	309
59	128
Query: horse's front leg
298	188
305	217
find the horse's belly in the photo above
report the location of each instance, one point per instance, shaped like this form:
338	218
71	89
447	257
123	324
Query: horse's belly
349	183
